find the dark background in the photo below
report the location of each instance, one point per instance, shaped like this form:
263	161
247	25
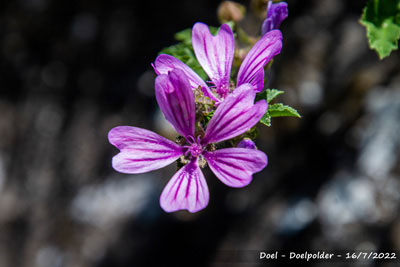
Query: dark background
72	70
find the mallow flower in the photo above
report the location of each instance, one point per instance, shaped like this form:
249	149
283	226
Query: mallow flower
143	150
276	13
215	55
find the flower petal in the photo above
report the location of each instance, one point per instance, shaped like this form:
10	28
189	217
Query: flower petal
165	63
235	166
214	53
187	190
176	100
258	80
262	52
235	115
141	150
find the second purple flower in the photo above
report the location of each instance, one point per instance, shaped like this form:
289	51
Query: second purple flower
215	55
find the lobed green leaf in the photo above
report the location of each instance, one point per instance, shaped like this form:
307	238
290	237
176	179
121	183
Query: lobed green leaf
278	110
281	110
382	21
269	94
266	119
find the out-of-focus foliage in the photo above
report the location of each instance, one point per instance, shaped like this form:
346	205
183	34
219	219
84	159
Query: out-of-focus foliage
382	21
185	53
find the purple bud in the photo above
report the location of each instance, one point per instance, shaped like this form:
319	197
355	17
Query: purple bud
247	143
276	13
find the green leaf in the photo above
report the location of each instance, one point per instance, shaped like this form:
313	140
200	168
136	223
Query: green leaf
281	110
266	119
278	110
272	93
269	94
382	21
275	110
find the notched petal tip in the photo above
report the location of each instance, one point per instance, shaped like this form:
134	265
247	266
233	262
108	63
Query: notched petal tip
115	135
202	27
214	52
187	190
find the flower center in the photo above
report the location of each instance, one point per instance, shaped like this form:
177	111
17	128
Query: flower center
194	148
221	87
222	90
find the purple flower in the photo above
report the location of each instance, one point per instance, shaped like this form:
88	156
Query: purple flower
215	55
142	150
276	13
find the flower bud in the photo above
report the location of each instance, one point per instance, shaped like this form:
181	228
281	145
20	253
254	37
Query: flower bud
276	13
247	143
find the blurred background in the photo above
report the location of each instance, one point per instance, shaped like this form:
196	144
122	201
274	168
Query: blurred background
72	70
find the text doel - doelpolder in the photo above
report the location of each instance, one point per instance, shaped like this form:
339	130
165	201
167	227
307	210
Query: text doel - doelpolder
299	256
